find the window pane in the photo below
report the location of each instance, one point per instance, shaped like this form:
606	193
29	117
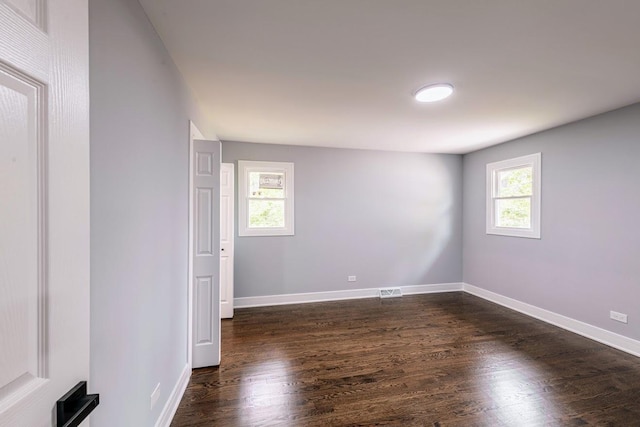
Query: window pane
266	184
515	213
515	182
266	213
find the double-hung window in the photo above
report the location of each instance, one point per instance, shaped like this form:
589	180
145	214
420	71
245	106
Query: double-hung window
513	197
265	198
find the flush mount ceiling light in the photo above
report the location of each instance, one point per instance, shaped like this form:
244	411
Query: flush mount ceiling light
433	93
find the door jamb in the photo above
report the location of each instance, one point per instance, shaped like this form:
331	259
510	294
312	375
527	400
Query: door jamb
194	133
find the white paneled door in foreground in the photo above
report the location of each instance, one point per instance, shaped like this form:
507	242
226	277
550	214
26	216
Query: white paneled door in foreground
44	207
205	178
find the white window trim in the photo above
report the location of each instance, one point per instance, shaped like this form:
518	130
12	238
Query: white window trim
244	168
533	160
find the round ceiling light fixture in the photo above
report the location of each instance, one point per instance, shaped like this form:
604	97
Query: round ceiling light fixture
433	93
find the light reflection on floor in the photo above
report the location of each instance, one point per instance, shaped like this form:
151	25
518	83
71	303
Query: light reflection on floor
513	397
262	393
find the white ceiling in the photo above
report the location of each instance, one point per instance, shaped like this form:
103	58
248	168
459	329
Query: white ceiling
341	73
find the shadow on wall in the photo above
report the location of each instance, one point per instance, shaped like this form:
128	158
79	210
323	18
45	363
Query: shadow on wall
429	225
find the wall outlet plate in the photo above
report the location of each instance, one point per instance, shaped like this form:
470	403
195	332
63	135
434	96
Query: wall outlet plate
351	278
618	317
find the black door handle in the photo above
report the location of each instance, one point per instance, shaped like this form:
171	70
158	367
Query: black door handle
76	405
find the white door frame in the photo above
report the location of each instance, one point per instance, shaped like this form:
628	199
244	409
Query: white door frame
194	133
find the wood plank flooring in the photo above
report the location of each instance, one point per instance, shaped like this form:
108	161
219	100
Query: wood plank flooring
441	360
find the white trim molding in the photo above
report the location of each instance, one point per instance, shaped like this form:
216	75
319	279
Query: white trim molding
267	300
628	345
194	133
170	408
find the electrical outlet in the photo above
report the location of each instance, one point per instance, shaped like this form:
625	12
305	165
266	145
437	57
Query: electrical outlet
155	396
351	278
618	317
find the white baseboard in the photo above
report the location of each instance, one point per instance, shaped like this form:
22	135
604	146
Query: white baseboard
261	301
595	333
170	408
431	289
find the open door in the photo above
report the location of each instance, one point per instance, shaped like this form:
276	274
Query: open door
227	234
44	207
205	252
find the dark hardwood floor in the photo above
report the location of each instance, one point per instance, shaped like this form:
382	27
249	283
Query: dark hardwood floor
427	360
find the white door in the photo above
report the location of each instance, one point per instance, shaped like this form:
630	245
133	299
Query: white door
205	189
226	240
44	206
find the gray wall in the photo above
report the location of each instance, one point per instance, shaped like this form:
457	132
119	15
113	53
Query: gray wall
389	218
587	261
139	196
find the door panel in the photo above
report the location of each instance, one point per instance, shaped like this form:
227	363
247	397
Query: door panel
33	10
44	206
204	229
206	246
19	35
204	310
23	323
226	239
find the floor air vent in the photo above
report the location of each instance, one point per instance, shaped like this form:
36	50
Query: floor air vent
390	292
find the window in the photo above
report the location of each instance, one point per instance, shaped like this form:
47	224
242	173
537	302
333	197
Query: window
265	198
513	197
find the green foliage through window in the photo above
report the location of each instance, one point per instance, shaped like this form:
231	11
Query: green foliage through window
513	213
266	213
515	182
513	197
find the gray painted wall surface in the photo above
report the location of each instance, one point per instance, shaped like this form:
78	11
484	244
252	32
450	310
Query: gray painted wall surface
139	195
389	218
587	262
